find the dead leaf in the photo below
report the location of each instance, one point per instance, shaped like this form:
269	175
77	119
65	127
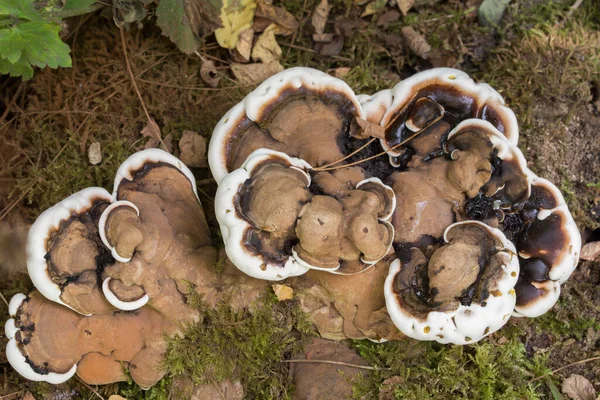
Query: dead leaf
209	74
405	5
591	251
283	292
267	14
152	132
578	388
347	27
27	396
266	48
252	74
388	387
363	129
339	72
167	143
95	153
331	48
319	17
243	48
203	16
374	7
116	397
323	37
236	16
192	147
390	16
416	42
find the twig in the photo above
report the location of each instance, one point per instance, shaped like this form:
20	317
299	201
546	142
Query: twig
91	388
337	363
137	91
561	368
394	147
11	394
573	8
12	101
4	299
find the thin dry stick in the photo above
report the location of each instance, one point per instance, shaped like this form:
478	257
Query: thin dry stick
91	388
349	155
385	128
574	7
565	367
12	101
336	363
10	395
4	298
137	91
394	147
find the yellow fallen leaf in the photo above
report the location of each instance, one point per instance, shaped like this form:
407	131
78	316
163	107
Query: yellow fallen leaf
236	17
283	292
266	48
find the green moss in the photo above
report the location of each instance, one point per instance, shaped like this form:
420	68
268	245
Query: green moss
540	60
228	344
160	391
425	370
65	169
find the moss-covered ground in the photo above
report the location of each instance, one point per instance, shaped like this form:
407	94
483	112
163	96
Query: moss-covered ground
543	59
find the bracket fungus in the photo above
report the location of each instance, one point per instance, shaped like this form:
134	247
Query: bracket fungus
408	212
112	273
440	154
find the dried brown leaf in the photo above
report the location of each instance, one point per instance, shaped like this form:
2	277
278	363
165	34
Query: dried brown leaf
152	132
374	7
388	17
363	129
416	42
266	14
347	27
405	5
331	48
116	397
283	292
252	74
266	48
339	72
578	387
192	147
209	74
95	153
319	17
323	37
591	251
243	47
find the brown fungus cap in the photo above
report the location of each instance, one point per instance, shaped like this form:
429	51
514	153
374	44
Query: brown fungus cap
461	293
65	253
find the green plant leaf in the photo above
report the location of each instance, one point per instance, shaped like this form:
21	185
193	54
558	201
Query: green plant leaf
172	20
186	21
76	5
37	43
22	9
21	68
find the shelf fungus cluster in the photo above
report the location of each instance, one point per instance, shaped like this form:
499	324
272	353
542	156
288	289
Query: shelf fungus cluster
111	273
411	208
408	212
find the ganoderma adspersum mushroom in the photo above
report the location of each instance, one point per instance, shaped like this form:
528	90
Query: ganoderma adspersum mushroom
419	189
155	225
444	145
